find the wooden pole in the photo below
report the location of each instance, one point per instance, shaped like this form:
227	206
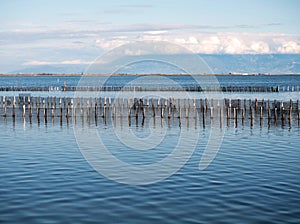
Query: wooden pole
4	110
282	112
30	110
52	111
153	107
290	112
235	116
220	112
24	111
251	115
186	112
203	117
13	111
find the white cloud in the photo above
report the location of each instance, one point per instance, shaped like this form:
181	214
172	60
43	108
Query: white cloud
191	37
210	45
260	47
232	43
289	47
66	62
110	43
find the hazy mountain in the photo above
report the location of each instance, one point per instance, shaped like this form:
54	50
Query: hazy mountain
219	64
250	63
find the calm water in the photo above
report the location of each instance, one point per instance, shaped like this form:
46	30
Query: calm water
182	80
45	179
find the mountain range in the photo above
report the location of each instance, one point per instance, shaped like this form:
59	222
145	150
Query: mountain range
218	63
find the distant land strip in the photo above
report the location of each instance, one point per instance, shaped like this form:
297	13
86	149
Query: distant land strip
78	75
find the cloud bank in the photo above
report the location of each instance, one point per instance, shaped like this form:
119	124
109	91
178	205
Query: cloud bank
71	45
216	43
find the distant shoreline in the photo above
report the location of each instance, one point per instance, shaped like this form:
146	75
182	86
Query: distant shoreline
78	75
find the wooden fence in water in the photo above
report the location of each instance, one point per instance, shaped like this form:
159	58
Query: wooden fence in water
197	88
205	110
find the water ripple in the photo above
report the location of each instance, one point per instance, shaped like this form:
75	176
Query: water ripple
254	178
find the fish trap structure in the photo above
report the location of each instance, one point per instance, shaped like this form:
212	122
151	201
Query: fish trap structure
192	88
204	111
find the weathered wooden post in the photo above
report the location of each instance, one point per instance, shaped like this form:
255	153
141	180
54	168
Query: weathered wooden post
201	104
243	115
64	103
282	112
229	109
220	112
45	111
251	116
203	116
68	111
269	110
162	111
4	110
24	111
195	111
87	108
276	114
261	116
38	111
96	107
48	102
256	105
143	112
290	112
186	112
52	111
228	113
153	107
13	111
137	107
114	111
30	110
109	101
129	111
169	111
235	116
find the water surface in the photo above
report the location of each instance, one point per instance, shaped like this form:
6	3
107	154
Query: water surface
45	179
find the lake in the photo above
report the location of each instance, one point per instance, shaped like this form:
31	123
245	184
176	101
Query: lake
148	171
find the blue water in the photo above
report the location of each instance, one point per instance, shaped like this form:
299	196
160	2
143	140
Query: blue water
45	179
254	177
182	80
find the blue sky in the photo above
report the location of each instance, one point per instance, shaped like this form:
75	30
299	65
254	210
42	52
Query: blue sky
39	32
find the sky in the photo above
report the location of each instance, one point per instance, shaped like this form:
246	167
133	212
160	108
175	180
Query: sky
70	32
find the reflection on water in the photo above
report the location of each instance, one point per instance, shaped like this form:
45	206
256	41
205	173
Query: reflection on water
45	178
